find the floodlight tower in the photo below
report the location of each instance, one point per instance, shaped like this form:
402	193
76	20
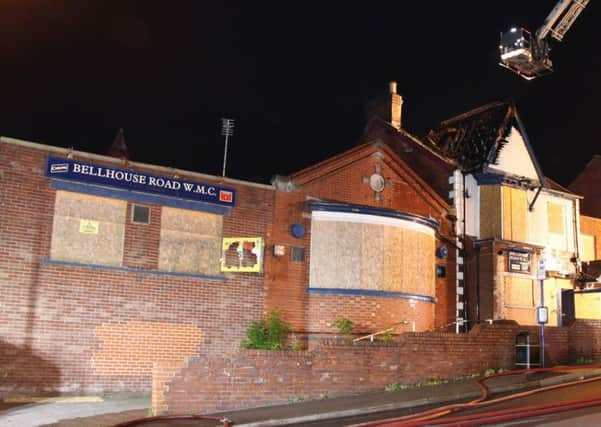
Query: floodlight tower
227	130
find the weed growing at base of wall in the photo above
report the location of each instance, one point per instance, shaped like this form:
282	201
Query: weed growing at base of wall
345	326
267	334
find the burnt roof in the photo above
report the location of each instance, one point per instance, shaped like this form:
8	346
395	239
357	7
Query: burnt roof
474	139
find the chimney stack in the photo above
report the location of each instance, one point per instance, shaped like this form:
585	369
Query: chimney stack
387	106
396	107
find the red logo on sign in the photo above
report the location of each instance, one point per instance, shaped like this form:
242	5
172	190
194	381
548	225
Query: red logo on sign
226	196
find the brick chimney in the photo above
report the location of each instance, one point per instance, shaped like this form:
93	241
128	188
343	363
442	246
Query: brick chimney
388	107
396	106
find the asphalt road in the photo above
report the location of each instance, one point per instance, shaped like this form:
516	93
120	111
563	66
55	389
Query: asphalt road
577	418
580	417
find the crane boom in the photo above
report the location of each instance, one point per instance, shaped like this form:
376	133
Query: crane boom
529	56
567	19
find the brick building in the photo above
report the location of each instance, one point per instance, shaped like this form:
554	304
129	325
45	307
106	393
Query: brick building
111	268
375	250
509	216
588	185
108	267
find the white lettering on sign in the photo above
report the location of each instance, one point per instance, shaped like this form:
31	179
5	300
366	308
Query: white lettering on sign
204	189
132	180
123	176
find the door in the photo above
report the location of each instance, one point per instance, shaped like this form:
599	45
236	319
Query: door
568	313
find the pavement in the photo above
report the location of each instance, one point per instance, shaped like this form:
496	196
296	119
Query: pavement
106	412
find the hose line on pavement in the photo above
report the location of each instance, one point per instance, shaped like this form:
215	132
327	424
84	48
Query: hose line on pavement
424	418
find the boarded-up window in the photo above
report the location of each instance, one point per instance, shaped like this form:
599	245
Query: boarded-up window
88	229
514	214
392	256
519	292
190	241
490	211
555	218
587	305
587	247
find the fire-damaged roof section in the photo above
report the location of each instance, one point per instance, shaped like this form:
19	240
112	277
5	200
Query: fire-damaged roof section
475	139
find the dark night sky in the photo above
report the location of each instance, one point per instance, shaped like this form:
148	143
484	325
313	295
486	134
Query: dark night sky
295	75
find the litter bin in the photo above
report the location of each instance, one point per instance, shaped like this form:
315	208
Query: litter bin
527	351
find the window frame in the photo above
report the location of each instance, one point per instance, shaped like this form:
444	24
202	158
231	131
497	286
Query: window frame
133	215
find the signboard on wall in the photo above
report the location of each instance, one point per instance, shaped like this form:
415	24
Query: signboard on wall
128	179
518	262
88	226
242	254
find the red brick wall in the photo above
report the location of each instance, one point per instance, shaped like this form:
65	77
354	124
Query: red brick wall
369	314
140	246
587	184
343	178
446	292
74	328
255	378
286	280
345	181
585	339
430	167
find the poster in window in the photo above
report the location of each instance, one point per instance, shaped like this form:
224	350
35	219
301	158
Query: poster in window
242	254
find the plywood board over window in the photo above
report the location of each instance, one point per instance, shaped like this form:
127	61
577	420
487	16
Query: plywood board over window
555	219
519	292
490	211
190	241
514	214
88	229
393	256
558	233
587	247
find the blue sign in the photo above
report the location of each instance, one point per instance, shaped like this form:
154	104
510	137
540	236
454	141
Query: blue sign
74	170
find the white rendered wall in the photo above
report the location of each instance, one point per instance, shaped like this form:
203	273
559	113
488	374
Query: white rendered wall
514	158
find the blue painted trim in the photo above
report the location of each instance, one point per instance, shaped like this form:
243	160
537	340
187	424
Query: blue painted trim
369	293
488	179
132	270
367	210
132	196
496	179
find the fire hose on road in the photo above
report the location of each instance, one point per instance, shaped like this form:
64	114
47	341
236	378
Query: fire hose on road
139	421
428	417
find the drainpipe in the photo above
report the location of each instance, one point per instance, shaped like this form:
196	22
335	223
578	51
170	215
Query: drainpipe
535	197
464	253
575	218
477	267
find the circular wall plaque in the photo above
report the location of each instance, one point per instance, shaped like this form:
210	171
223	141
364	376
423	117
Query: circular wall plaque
376	182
